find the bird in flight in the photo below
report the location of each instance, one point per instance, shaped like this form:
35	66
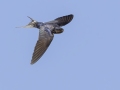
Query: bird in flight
46	33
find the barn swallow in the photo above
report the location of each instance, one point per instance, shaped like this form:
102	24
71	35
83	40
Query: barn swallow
46	33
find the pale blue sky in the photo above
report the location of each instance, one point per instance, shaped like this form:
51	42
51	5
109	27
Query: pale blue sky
86	56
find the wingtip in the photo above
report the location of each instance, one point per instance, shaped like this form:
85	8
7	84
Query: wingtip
71	15
30	18
32	63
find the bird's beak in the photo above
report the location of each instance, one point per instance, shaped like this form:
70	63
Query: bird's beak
30	25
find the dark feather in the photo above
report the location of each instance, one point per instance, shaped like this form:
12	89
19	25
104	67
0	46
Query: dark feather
61	21
41	46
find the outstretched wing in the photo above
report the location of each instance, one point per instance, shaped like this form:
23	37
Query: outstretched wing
61	21
45	38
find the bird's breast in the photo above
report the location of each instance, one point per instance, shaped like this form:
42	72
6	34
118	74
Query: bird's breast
46	30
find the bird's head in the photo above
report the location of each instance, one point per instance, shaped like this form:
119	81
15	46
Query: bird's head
32	24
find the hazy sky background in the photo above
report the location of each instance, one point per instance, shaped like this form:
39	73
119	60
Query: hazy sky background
86	56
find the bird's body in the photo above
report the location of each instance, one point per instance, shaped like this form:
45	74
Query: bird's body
44	40
46	34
